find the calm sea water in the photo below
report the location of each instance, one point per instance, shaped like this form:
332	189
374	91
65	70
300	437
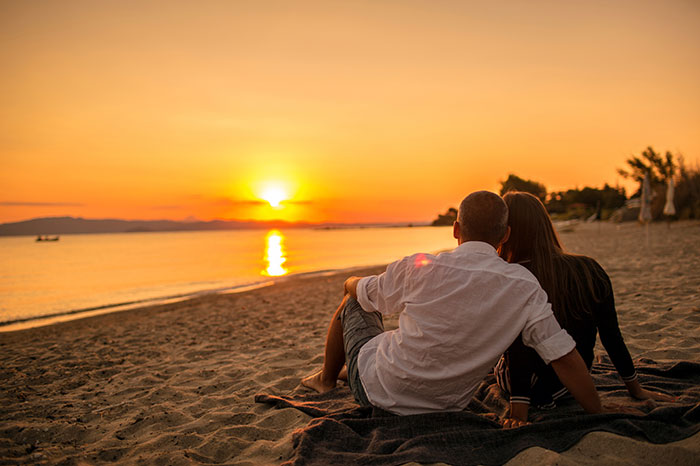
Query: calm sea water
87	272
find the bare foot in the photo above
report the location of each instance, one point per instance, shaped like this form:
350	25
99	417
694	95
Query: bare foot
315	382
343	374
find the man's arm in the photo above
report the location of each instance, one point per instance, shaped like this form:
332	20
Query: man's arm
544	334
573	373
350	286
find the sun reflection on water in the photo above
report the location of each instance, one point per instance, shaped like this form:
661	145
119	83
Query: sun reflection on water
275	254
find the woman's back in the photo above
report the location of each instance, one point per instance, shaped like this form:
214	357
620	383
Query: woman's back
590	310
583	302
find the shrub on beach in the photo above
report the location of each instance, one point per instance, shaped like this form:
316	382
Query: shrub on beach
687	196
660	169
582	203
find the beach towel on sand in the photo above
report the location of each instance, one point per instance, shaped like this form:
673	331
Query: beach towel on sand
343	433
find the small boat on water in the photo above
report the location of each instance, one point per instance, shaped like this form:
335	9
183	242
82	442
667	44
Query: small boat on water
47	238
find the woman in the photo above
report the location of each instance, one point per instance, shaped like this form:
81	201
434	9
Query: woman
582	301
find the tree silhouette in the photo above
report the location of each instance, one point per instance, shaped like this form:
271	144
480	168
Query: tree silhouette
515	183
659	168
448	218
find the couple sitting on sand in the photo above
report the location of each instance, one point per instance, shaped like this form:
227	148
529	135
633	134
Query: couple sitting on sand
478	306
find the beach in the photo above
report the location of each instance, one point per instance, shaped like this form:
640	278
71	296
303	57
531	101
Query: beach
175	383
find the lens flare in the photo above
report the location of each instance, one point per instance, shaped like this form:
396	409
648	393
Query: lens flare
275	254
421	261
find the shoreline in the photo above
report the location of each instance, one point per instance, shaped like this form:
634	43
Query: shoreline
90	274
144	304
73	314
69	315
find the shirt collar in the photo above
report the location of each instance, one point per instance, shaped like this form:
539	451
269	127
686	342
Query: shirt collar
476	247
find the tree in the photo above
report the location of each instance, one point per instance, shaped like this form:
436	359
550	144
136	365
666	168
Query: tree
659	168
612	198
448	218
515	183
592	200
687	197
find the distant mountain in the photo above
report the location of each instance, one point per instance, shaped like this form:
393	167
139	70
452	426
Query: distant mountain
72	225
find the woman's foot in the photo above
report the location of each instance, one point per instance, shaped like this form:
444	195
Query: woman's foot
343	374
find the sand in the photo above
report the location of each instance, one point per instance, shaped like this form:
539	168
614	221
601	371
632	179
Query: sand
174	384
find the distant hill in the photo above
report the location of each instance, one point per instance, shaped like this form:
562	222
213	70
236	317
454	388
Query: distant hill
77	225
72	225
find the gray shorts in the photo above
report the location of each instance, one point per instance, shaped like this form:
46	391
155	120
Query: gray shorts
359	327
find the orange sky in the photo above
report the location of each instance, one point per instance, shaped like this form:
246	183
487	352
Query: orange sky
365	111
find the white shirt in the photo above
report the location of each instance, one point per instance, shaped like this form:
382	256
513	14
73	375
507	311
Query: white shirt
460	310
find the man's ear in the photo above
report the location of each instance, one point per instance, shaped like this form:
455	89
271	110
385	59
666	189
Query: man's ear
456	230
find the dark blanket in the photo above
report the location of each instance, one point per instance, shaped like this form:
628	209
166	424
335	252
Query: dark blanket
343	433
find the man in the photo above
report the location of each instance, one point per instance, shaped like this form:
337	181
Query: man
459	311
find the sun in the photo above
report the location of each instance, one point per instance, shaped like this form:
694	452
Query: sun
274	195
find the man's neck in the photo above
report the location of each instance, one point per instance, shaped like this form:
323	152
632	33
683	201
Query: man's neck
462	241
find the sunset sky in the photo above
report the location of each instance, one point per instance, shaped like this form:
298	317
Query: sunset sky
355	111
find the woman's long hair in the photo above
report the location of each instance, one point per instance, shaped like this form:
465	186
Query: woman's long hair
570	280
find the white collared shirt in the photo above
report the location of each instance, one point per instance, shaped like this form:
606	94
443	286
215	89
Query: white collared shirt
459	311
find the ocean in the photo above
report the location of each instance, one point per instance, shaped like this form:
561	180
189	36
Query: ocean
86	274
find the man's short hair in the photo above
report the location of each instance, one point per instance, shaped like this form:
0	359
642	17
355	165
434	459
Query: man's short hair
483	216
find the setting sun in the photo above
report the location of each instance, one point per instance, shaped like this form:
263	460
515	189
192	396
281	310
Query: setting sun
274	195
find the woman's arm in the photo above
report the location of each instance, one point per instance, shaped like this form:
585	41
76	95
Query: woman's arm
605	317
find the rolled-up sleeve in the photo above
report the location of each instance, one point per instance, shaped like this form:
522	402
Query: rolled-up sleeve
367	293
556	346
384	293
543	333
